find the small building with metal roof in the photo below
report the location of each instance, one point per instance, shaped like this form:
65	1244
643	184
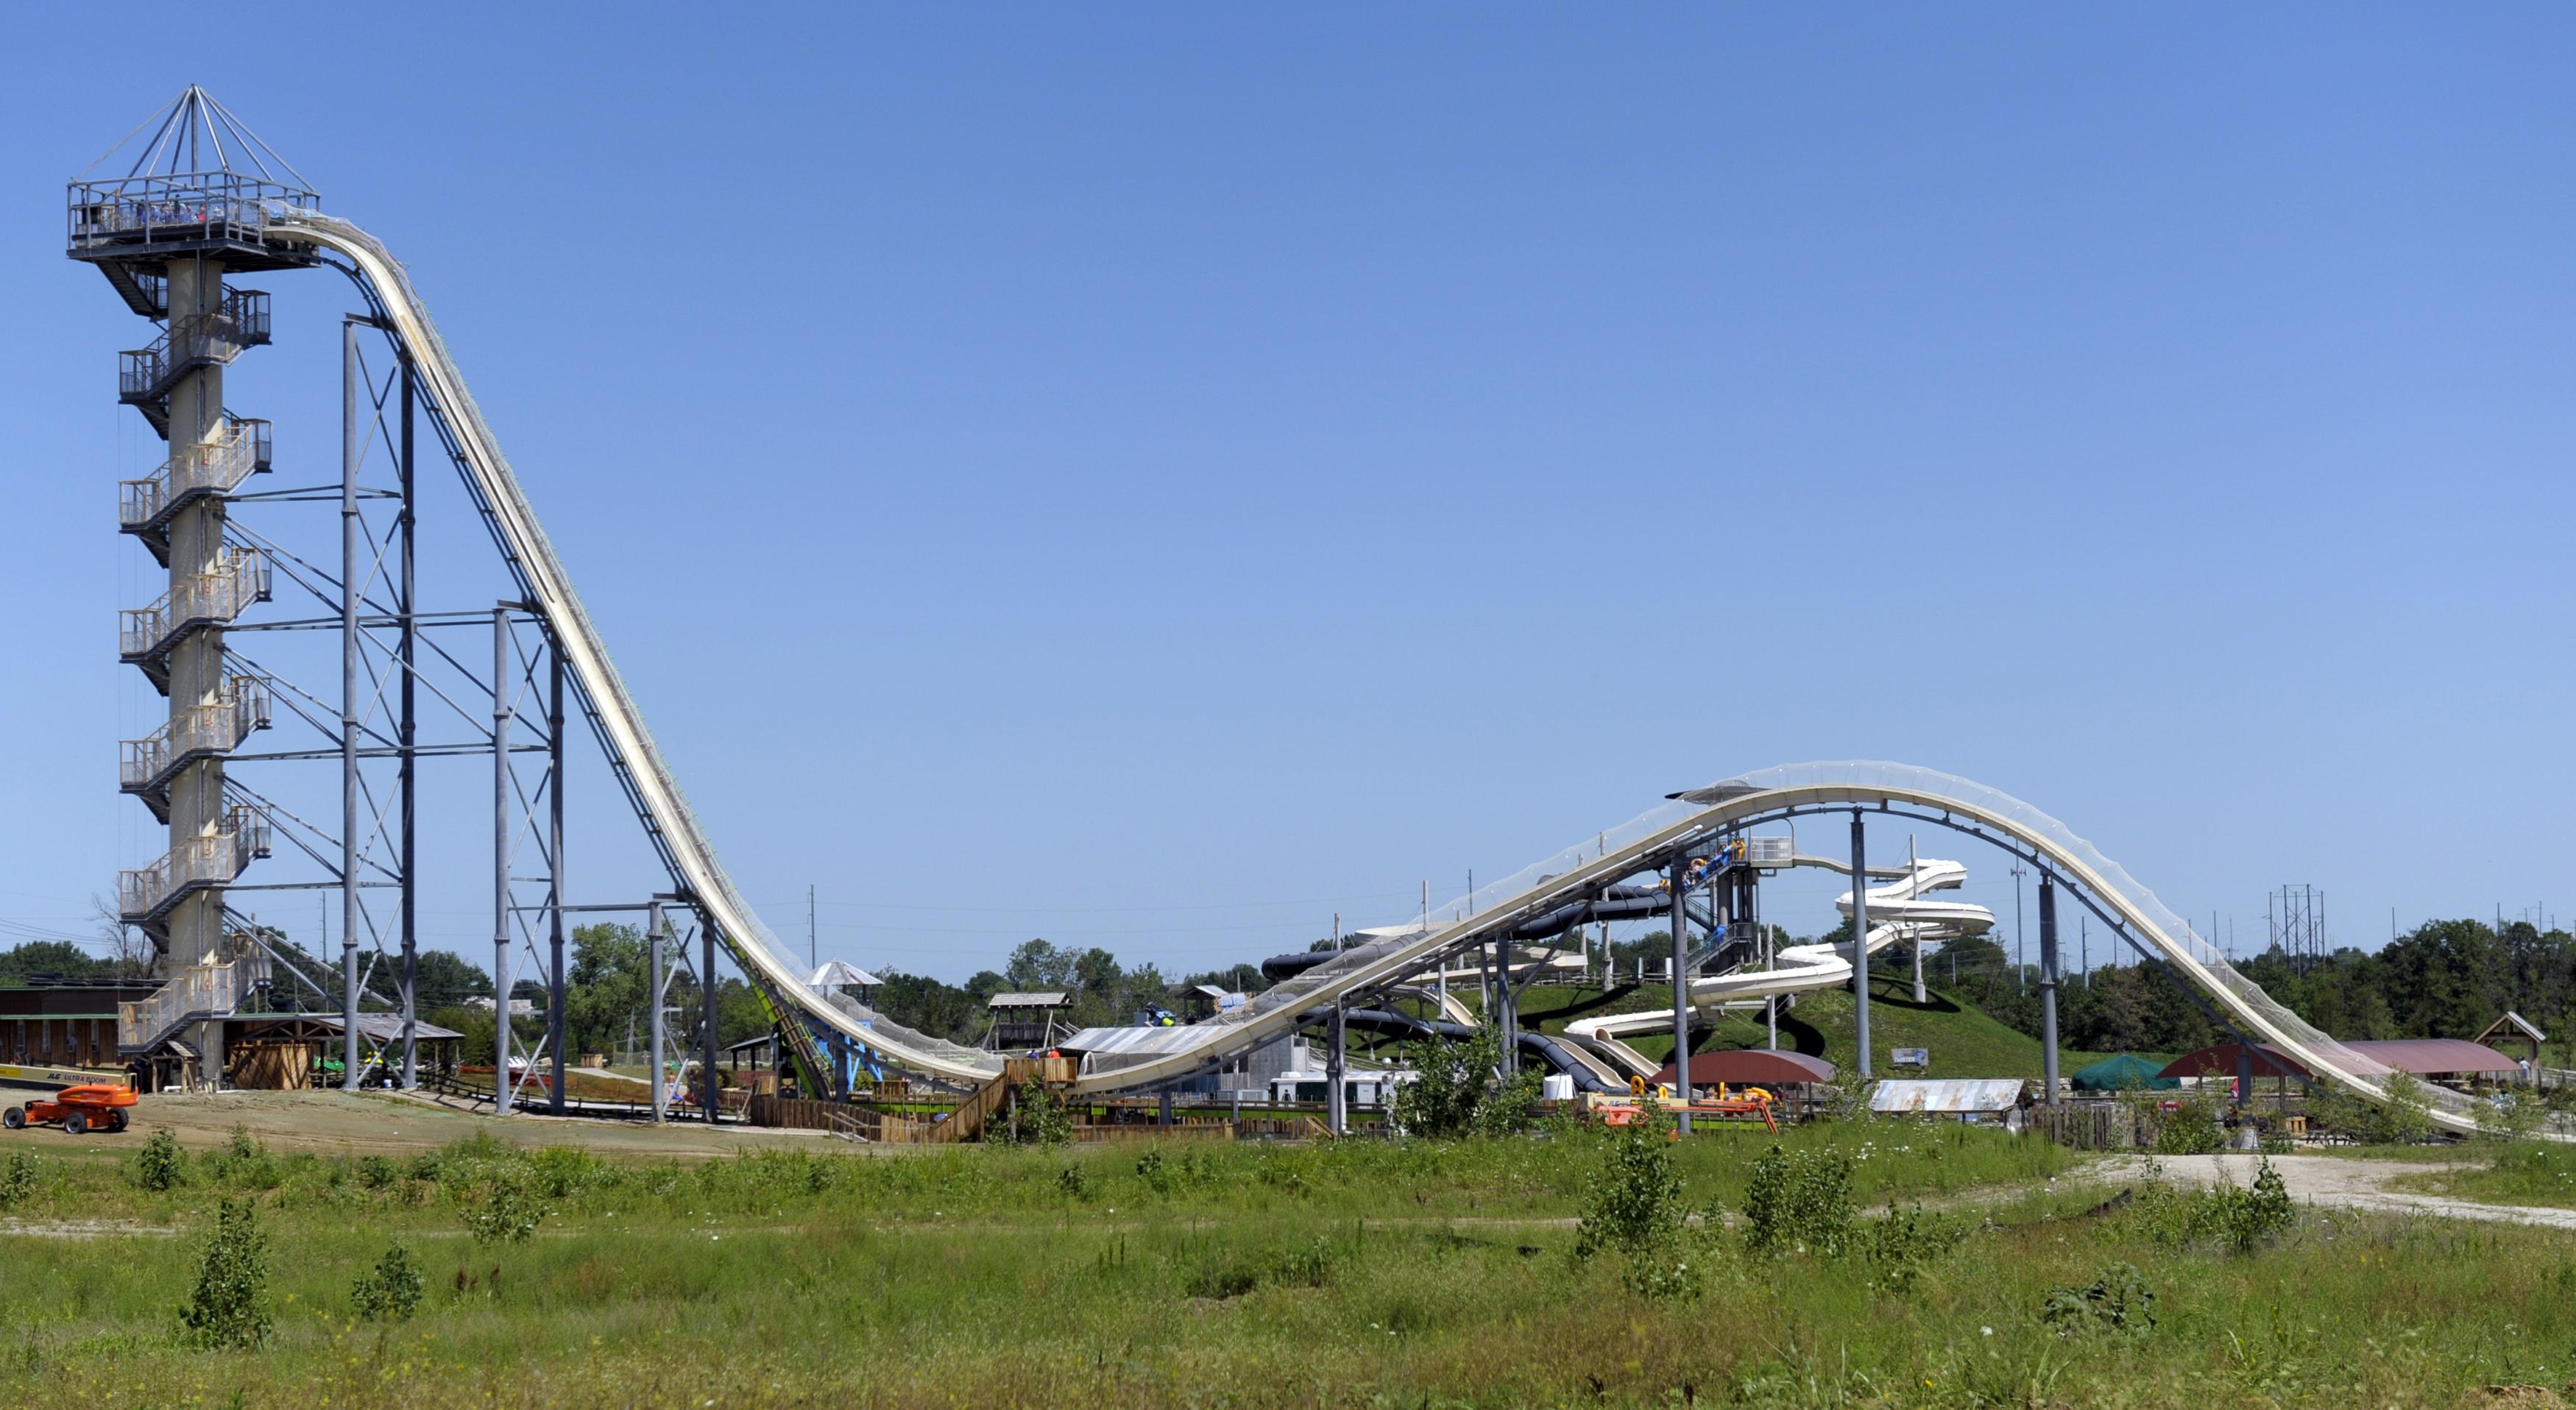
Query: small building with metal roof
1751	1067
1966	1098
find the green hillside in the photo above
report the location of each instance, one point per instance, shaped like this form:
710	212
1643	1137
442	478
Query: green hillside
1964	1041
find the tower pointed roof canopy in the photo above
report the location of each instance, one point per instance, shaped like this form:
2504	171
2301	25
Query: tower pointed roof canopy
194	140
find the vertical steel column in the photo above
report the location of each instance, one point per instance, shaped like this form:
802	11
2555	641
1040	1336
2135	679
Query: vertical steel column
707	1025
555	867
501	860
1770	1006
1506	1016
1860	942
1681	990
349	704
1336	1114
2048	986
654	938
407	745
1914	936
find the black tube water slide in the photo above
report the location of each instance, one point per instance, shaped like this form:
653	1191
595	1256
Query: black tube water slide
1553	1051
1614	903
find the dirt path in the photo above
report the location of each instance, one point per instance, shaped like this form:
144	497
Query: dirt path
382	1123
2335	1182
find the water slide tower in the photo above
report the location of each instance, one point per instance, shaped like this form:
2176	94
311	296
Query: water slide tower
166	220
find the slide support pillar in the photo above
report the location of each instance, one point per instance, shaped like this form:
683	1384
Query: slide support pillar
1681	992
555	867
1336	1112
1860	942
349	824
2048	986
657	934
707	1034
501	1093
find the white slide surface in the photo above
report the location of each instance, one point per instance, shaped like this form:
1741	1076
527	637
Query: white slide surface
1697	818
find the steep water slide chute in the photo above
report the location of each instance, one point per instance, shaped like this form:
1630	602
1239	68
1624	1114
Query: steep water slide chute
1390	956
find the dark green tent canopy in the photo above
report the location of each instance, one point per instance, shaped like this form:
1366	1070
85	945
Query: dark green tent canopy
2125	1073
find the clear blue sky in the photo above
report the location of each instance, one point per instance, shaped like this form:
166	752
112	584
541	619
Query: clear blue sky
1156	476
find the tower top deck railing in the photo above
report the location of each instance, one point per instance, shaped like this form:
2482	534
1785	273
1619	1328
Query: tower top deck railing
107	218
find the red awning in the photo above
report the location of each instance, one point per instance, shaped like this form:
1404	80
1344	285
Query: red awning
1761	1067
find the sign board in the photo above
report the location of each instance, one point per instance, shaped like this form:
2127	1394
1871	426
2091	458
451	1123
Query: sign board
1911	1057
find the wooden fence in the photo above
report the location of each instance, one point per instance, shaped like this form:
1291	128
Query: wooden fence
2093	1126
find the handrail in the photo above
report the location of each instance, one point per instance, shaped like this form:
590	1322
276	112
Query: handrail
239	579
210	860
217	727
217	466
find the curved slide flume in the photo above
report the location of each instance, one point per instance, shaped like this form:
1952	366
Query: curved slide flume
1579	873
1899	910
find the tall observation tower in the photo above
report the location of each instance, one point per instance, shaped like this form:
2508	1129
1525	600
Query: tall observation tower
166	217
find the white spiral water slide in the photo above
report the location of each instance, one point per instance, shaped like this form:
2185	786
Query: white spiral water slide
1693	819
1899	910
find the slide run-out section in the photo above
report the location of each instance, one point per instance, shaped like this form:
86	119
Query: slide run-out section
1694	820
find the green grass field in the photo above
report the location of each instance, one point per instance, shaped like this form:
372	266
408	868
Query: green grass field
1203	1273
2518	1174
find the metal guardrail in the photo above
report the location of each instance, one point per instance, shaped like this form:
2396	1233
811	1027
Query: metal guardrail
198	340
194	206
210	860
217	596
199	991
218	466
216	728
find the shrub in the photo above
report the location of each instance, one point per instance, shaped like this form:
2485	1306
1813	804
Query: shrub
390	1291
1799	1203
1633	1202
2511	1117
375	1171
1903	1244
1038	1118
2242	1219
1460	1091
1072	1184
2406	1117
508	1214
158	1166
1154	1170
225	1307
2190	1129
2117	1300
17	1179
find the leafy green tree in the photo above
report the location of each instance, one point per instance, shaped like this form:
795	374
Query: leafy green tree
607	984
53	958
